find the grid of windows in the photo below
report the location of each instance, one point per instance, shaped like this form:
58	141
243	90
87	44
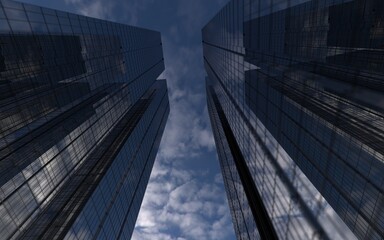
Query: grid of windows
245	226
300	83
69	87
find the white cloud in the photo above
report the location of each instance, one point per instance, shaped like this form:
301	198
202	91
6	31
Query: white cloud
186	134
189	208
188	130
219	178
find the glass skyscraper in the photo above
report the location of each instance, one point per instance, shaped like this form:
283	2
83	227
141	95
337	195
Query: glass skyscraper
295	94
81	118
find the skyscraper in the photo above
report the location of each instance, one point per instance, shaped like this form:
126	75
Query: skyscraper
295	97
81	118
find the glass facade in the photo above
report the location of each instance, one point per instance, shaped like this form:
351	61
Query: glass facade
81	118
295	93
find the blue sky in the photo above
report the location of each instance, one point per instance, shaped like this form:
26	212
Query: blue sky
185	198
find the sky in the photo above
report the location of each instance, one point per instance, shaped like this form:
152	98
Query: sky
185	197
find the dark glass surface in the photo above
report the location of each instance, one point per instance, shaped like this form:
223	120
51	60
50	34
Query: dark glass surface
81	118
300	83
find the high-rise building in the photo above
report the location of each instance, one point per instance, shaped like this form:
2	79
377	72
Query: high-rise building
295	94
81	118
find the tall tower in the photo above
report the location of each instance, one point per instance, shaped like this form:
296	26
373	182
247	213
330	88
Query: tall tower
295	97
81	118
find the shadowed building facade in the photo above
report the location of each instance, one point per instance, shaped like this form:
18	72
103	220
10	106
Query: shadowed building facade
295	96
81	118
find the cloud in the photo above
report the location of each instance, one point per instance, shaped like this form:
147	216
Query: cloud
194	14
178	203
182	203
132	10
95	8
120	11
188	131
